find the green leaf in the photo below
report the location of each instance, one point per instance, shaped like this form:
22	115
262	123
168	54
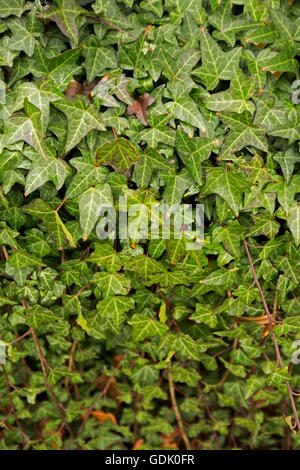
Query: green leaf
148	163
227	184
216	64
52	221
21	258
144	327
236	98
89	204
105	256
112	283
119	154
12	7
82	119
293	221
242	133
65	15
29	129
98	58
111	311
24	31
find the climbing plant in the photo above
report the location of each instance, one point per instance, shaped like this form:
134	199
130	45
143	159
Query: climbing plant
133	342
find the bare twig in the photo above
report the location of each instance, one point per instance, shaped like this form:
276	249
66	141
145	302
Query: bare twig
43	361
21	337
104	391
176	410
277	351
102	20
13	409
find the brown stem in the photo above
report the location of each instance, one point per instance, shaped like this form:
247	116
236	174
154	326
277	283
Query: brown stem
21	337
60	205
277	351
102	20
104	391
5	253
176	411
43	364
23	435
84	287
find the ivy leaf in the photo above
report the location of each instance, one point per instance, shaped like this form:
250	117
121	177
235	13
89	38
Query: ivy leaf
119	154
145	266
144	327
112	283
176	185
98	58
112	311
7	235
220	277
52	221
40	315
87	175
131	56
293	221
54	66
268	113
54	169
155	6
24	31
65	15
185	109
287	161
227	24
264	225
216	64
236	99
104	255
283	61
12	7
82	119
193	151
242	133
149	162
21	258
28	128
89	204
227	184
159	132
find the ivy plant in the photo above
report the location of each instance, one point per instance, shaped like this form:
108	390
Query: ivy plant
135	342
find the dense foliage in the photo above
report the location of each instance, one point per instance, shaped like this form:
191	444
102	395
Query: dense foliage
121	344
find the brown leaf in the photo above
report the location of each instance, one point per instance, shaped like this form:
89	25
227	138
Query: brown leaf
77	88
117	359
276	74
260	45
113	391
102	417
289	422
168	441
139	109
137	444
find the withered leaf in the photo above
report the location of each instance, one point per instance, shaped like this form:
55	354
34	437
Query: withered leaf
77	88
139	109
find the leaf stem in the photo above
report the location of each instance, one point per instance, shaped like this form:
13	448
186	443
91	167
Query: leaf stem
102	20
23	435
176	410
277	351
